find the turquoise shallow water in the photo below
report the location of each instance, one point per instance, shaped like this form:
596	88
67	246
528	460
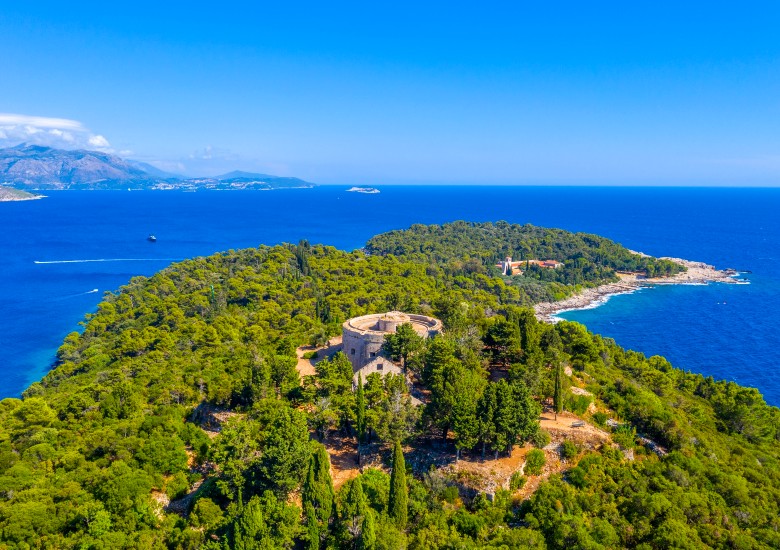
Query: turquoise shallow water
728	331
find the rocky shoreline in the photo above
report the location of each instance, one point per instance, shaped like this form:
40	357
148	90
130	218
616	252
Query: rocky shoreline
697	273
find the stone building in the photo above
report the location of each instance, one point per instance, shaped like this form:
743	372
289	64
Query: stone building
508	267
362	339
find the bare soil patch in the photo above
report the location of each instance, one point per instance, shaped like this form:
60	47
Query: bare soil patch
472	473
305	367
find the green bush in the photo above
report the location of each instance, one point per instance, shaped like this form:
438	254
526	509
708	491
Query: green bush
600	418
310	355
534	462
578	404
450	494
517	481
576	477
541	438
177	486
569	450
625	436
206	514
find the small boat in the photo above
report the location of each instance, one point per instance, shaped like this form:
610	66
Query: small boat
151	239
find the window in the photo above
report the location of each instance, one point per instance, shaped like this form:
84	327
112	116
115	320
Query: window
353	351
373	354
380	366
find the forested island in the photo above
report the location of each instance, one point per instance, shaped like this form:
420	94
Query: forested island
209	406
9	194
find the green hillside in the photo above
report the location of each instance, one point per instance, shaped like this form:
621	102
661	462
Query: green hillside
115	447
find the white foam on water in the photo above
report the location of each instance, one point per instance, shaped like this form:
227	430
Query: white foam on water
598	302
107	260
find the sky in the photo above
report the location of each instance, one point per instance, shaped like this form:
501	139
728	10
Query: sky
542	93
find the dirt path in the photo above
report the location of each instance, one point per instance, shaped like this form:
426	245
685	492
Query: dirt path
563	428
305	367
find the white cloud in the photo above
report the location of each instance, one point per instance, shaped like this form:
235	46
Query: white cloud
53	132
40	122
99	141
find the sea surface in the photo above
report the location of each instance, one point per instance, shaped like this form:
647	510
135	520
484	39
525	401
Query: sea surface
60	254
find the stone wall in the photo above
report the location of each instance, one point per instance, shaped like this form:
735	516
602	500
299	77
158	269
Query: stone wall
380	364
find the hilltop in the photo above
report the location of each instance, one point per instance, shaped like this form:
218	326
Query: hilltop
180	418
35	167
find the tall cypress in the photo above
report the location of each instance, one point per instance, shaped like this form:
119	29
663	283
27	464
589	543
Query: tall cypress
313	533
397	506
353	511
360	411
558	391
250	526
318	494
367	539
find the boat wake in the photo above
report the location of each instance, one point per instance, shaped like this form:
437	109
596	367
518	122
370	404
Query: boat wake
69	296
107	260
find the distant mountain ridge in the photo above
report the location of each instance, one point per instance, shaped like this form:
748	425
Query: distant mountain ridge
38	167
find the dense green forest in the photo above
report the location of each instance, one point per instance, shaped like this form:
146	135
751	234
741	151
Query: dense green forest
466	247
119	427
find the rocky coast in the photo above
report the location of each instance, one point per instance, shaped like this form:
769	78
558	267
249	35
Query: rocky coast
696	273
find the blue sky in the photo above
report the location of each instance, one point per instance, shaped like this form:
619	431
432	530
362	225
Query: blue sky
640	93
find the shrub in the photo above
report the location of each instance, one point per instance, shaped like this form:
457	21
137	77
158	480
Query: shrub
450	494
517	481
600	418
310	355
206	514
625	436
177	486
541	438
578	404
569	450
534	462
576	477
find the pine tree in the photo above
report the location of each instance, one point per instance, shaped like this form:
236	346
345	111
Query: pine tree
360	412
397	505
558	391
403	343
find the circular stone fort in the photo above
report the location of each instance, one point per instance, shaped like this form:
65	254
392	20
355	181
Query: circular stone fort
362	337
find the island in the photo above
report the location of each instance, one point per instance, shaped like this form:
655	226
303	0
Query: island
404	395
9	194
367	190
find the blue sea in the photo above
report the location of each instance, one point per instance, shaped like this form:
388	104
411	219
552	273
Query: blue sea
60	254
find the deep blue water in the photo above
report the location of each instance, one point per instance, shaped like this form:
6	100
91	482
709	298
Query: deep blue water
728	331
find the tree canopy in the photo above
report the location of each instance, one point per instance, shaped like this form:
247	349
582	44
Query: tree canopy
178	393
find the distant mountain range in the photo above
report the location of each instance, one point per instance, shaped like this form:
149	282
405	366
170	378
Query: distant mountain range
37	167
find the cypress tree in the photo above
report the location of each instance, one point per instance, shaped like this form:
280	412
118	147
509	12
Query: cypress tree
558	391
486	412
397	506
312	527
249	527
353	511
318	494
367	539
360	412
